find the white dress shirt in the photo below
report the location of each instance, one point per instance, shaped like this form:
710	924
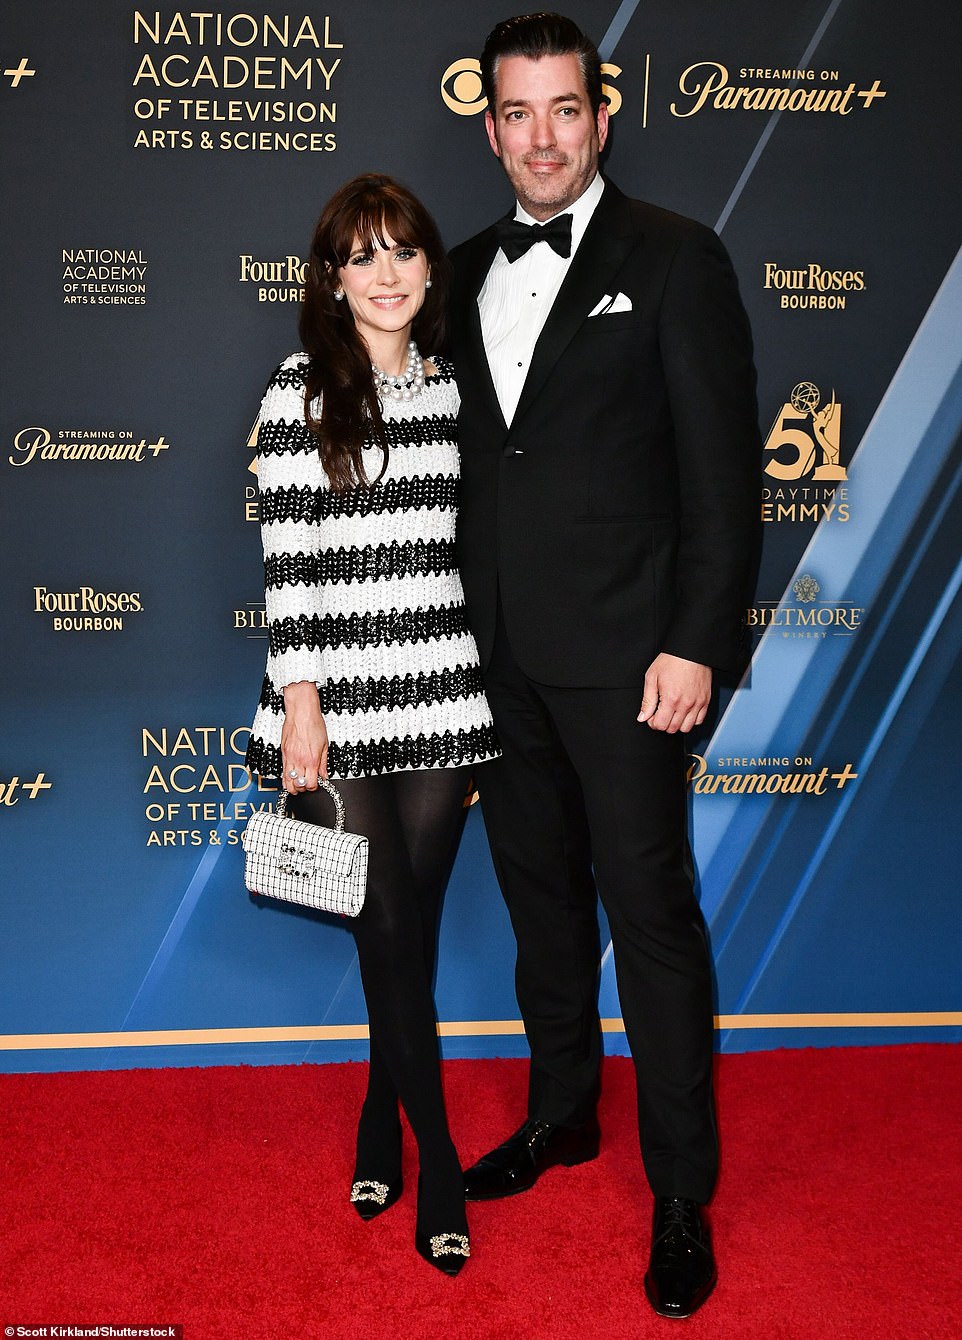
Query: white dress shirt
515	300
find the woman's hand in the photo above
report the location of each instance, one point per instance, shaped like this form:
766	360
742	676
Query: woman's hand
303	738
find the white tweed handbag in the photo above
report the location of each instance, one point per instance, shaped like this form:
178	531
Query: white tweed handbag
303	863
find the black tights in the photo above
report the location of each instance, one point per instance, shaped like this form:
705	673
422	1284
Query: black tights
413	821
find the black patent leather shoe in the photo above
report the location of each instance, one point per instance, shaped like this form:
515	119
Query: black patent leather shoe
519	1162
681	1273
371	1198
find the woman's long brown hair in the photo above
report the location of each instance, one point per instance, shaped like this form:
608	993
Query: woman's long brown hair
367	210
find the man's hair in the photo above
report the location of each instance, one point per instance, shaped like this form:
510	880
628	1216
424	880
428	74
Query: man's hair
534	36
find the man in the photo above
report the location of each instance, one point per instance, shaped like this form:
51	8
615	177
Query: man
607	536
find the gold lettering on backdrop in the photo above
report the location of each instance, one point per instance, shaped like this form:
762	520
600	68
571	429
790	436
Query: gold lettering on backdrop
36	443
263	72
280	280
807	619
236	30
252	620
32	789
198	741
86	610
213	773
707	84
237	109
812	504
114	276
187	777
812	287
290	270
86	601
769	782
814	277
245	53
805	438
845	617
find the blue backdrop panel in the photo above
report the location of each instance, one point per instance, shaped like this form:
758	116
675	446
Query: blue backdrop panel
167	169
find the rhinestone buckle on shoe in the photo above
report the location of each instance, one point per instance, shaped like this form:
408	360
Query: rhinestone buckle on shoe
450	1244
368	1190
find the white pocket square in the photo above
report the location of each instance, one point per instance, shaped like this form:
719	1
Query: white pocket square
608	305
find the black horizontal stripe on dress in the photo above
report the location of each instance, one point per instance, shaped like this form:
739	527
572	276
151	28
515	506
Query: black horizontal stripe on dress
373	629
387	692
423	431
439	749
434	492
276	437
287	378
370	562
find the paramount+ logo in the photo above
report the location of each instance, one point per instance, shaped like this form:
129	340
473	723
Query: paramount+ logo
86	610
83	445
13	791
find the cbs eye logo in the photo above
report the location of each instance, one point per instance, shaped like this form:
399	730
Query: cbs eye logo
461	87
463	94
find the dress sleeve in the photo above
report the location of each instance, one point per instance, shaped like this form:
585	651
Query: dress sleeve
290	480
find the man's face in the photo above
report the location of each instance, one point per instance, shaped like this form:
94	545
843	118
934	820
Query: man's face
544	131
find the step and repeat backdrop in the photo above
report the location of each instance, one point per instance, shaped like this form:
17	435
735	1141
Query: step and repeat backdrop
163	169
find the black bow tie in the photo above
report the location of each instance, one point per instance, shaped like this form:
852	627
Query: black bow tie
516	238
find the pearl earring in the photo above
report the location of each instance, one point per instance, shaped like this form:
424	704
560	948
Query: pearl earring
338	294
427	283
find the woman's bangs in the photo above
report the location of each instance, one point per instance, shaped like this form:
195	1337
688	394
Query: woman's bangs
379	224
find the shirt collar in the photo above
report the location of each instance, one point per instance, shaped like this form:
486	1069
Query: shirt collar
581	211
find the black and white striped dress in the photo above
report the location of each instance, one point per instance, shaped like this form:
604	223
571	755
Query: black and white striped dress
362	592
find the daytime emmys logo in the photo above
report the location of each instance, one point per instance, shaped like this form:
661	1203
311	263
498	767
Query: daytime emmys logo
803	457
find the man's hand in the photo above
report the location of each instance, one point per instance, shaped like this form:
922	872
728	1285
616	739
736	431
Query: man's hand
677	693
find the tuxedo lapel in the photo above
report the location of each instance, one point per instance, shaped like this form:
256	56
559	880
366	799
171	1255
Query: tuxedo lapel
475	275
608	240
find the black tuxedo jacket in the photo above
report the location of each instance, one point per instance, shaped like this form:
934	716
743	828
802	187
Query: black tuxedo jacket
619	515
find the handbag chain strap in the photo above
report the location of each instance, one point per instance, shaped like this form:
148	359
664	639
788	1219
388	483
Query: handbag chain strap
331	790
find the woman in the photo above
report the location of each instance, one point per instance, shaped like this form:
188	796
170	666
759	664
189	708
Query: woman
372	677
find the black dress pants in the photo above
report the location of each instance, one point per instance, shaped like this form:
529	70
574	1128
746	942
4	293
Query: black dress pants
585	801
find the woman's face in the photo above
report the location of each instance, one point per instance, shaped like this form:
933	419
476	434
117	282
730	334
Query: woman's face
384	287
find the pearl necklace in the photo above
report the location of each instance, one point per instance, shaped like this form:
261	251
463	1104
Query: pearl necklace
405	385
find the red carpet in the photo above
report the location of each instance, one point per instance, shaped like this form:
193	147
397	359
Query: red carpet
218	1199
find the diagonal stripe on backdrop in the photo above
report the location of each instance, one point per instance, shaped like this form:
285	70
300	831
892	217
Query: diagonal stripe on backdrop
749	168
623	16
192	895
